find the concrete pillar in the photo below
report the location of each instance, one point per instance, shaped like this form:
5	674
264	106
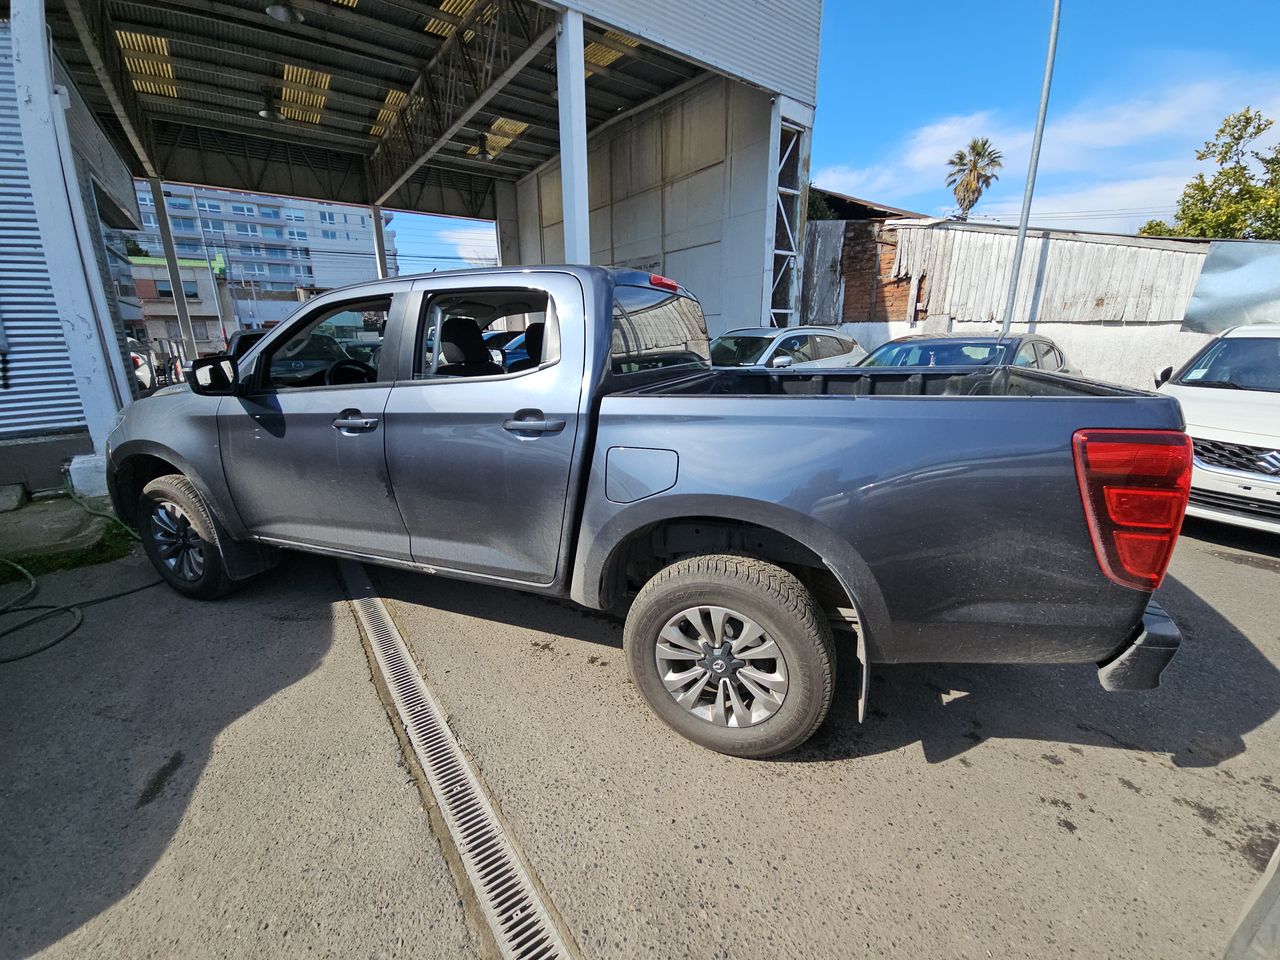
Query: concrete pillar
571	86
508	223
175	274
379	242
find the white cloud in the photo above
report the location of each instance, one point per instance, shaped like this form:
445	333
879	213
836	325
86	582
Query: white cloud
1113	165
477	244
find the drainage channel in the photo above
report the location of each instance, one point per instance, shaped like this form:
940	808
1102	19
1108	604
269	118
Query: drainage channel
519	920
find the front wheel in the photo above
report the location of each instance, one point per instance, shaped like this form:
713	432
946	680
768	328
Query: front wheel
181	538
732	653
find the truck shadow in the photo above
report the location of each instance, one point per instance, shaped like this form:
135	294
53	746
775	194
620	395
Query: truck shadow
1218	688
106	735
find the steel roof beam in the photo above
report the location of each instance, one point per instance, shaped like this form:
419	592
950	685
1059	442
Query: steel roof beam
96	32
456	84
172	111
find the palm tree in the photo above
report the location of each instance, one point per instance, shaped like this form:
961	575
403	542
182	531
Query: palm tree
972	170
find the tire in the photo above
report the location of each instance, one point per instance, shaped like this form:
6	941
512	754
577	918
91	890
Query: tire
182	538
795	688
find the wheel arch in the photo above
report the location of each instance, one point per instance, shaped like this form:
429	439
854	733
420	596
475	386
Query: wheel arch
665	529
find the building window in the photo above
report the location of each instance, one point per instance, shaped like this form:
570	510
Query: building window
363	222
296	234
199	329
209	206
251	250
247	229
275	233
148	218
178	203
189	248
328	216
186	224
300	253
302	272
164	289
329	234
279	253
280	270
213	226
253	269
244	209
269	213
146	199
293	213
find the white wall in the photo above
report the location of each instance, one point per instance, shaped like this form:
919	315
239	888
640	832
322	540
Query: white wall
684	189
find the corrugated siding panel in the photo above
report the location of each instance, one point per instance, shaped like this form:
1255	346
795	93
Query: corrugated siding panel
1061	280
771	43
41	393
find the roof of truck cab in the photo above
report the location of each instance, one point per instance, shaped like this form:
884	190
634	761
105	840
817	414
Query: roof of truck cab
619	275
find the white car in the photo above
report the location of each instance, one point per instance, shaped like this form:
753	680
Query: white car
1230	397
777	348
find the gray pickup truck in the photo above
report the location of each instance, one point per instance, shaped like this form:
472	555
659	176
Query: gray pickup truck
949	514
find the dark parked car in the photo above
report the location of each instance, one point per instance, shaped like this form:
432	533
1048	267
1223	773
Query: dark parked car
962	350
952	515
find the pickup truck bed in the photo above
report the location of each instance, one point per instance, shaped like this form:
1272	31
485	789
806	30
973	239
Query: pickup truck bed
940	514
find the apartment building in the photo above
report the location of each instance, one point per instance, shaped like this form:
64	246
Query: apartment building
273	247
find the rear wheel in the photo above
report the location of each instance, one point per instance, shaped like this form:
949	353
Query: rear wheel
181	538
733	653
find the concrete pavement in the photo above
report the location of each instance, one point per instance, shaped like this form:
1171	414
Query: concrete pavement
182	779
982	811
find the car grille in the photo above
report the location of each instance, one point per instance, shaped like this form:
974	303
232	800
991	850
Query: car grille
1241	506
1238	456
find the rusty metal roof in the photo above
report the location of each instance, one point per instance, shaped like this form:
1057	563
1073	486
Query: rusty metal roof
422	104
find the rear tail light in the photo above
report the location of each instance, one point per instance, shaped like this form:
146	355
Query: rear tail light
1134	485
137	361
666	283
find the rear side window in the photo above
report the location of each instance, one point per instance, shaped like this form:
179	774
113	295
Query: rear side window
654	329
829	347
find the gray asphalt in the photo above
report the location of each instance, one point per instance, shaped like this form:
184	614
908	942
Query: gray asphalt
981	811
188	779
211	780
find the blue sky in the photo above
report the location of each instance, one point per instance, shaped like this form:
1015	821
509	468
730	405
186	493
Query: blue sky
1138	86
425	243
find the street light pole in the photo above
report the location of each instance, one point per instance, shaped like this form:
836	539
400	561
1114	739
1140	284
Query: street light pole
1031	172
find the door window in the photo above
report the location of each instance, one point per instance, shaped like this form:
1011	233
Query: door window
799	348
1050	358
1026	356
339	345
451	341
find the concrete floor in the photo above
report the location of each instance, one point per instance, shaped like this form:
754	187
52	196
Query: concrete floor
220	780
182	779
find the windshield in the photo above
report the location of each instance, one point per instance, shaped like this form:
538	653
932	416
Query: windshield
934	353
1236	363
737	350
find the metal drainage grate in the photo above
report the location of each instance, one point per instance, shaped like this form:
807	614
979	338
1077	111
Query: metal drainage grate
521	923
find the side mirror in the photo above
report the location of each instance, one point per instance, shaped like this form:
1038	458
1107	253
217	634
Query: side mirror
782	360
1162	376
214	376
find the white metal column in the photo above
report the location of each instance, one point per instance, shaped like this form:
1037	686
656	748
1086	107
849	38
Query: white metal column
175	273
571	85
379	242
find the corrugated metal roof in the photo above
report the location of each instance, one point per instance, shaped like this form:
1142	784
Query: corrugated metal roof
1066	277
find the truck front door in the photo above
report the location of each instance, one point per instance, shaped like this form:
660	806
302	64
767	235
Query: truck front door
481	450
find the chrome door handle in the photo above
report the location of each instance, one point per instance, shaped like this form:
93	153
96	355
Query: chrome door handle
355	423
533	426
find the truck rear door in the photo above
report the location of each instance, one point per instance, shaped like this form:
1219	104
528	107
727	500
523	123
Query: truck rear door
480	453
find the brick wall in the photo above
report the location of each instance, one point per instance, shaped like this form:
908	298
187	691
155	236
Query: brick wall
870	292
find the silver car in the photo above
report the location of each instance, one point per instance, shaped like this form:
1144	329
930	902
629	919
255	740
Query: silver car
799	348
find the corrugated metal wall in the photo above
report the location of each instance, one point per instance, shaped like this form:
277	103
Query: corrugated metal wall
40	393
771	43
1075	278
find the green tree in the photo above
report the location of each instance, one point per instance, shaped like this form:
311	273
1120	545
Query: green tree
971	171
1240	200
819	209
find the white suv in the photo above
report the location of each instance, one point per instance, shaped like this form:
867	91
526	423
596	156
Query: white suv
1230	396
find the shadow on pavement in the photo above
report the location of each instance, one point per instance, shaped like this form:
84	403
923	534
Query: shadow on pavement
103	737
1238	538
1218	688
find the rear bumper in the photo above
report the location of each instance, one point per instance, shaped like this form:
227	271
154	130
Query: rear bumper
1139	663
